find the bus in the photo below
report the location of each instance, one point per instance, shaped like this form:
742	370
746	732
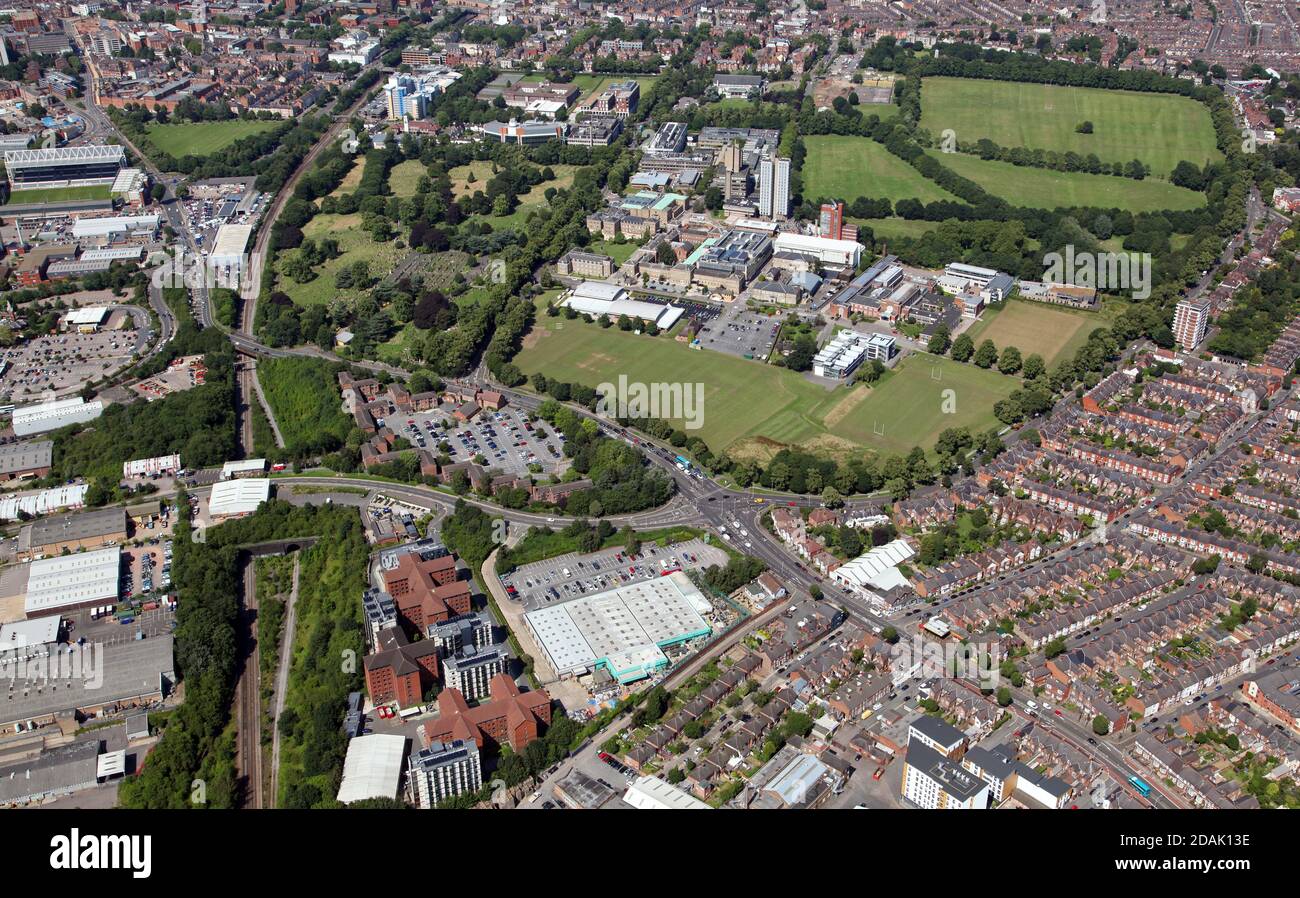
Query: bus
683	462
1141	786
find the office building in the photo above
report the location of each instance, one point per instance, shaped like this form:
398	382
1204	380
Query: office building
509	717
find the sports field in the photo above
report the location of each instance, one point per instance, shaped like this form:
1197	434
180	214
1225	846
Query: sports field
846	168
1159	129
1052	332
1042	188
753	410
61	194
203	138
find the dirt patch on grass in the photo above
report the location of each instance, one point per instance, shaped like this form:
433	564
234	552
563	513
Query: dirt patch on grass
757	449
534	336
841	409
832	446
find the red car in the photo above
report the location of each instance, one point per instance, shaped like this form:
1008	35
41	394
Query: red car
879	771
1057	712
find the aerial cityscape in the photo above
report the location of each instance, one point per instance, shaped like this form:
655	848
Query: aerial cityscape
554	405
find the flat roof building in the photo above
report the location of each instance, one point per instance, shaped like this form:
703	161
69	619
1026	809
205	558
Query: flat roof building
85	530
373	767
54	773
229	248
247	467
653	794
231	498
29	458
839	253
445	770
73	581
597	298
47	416
113	678
623	630
936	782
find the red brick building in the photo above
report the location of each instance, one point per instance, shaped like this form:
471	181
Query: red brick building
402	672
509	717
427	591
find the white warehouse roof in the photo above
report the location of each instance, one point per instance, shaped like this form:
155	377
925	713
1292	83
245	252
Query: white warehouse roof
838	252
372	768
241	496
53	415
43	502
863	570
116	224
87	315
649	793
232	239
71	580
597	298
624	629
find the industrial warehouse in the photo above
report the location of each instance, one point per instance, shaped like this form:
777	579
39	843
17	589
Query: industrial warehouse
73	581
596	298
621	631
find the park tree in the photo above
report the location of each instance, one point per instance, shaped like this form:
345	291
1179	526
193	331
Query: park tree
986	355
1010	362
940	341
963	348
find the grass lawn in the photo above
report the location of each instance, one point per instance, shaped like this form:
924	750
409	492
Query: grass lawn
889	228
1159	129
754	410
619	252
527	203
355	244
846	168
394	350
460	183
351	179
61	194
1045	189
1052	332
594	84
203	138
404	176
